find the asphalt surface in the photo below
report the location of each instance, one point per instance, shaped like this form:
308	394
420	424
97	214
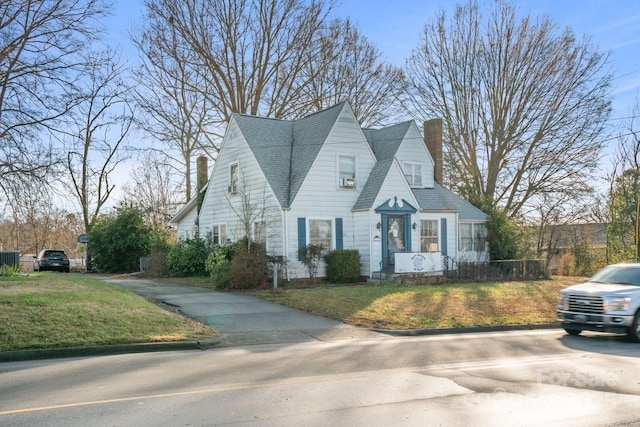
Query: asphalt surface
243	319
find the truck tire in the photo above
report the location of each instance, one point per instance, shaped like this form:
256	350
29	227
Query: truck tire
634	329
572	331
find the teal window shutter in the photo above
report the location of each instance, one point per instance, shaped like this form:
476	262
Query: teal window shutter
339	239
302	235
443	235
407	233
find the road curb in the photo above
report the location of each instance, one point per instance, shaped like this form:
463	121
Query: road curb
465	330
104	350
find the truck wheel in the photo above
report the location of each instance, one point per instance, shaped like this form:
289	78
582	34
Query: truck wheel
572	331
634	329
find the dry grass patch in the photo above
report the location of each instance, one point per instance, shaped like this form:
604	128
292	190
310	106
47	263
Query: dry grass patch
398	307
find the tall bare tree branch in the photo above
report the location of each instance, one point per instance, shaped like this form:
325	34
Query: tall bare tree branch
40	42
523	104
350	68
172	97
97	130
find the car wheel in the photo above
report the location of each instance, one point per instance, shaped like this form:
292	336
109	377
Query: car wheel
634	329
572	331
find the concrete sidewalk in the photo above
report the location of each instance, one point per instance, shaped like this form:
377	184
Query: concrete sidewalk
243	319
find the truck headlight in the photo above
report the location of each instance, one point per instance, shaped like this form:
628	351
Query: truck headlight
617	304
564	302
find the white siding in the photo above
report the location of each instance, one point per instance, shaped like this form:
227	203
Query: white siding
364	229
320	195
218	206
187	226
413	149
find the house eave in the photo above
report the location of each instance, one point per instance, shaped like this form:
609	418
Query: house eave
183	211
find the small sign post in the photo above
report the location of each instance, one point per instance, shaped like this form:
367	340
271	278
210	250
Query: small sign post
84	239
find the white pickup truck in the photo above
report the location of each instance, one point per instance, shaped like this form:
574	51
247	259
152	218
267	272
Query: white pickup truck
607	302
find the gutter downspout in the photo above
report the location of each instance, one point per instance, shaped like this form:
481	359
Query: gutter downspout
285	239
371	232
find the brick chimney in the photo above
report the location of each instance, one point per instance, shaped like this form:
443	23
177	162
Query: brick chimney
433	141
202	176
202	172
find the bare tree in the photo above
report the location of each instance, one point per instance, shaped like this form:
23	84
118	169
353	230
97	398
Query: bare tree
252	206
31	214
101	122
203	61
552	214
172	97
350	68
523	104
36	223
623	202
251	55
39	63
153	190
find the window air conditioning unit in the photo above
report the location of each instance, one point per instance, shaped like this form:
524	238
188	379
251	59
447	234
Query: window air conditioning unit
347	182
232	189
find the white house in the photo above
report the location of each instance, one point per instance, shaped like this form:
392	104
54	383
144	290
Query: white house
324	179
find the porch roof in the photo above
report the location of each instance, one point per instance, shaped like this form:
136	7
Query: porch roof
441	199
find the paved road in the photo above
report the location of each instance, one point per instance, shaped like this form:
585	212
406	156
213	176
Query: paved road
518	378
243	319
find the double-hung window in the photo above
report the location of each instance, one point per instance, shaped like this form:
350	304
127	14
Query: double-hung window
429	235
413	173
321	232
219	234
346	171
473	237
260	232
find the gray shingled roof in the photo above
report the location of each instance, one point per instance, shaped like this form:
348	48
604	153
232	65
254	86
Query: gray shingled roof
385	142
286	149
372	186
270	141
309	134
441	199
437	199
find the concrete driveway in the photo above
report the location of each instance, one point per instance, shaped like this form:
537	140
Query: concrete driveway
243	319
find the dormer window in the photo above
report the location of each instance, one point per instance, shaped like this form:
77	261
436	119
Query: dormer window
346	172
413	173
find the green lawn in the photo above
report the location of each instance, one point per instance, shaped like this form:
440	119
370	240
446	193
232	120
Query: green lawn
48	310
399	307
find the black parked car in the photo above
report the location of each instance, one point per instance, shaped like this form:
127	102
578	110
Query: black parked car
51	259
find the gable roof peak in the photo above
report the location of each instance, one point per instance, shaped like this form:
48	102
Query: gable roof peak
337	106
385	141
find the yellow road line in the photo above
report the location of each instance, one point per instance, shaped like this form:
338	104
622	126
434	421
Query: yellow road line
183	393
